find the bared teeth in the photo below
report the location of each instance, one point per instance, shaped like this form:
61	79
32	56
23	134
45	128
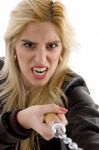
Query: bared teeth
39	71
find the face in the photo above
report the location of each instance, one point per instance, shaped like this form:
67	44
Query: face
38	51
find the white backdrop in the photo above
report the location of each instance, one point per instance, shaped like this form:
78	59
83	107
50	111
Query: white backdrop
84	17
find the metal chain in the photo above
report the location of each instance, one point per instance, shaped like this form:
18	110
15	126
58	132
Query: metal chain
58	131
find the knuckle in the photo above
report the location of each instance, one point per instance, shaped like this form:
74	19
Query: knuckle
47	136
54	106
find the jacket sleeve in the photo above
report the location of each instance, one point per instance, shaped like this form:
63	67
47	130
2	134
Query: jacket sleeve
1	62
83	115
10	130
6	139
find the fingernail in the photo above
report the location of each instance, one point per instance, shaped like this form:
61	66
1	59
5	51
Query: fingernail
63	109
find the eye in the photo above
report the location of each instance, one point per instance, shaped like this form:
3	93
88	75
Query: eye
51	45
29	45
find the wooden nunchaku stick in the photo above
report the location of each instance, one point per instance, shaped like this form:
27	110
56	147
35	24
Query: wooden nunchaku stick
58	130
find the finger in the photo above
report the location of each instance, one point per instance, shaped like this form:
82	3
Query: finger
53	108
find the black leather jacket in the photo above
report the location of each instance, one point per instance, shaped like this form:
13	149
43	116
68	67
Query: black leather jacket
83	121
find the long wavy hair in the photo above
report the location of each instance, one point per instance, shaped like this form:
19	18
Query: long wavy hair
12	91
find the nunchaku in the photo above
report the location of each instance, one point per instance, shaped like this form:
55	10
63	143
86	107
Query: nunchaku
58	130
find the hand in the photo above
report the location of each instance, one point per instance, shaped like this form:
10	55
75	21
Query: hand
33	117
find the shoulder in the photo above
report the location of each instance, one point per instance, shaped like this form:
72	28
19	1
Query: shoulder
1	62
77	92
1	66
73	80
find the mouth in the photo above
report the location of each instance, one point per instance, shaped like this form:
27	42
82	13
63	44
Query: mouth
39	71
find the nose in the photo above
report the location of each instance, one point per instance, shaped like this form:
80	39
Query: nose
41	56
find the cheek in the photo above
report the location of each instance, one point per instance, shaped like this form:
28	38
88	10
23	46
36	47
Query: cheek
22	59
55	59
21	55
56	56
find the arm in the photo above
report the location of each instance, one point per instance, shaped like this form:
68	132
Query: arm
1	62
18	125
83	116
10	130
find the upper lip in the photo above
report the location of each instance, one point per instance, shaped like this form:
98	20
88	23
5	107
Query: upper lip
39	66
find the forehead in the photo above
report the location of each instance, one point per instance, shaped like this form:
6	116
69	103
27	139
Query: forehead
41	30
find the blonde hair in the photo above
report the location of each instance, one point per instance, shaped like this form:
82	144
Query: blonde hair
13	93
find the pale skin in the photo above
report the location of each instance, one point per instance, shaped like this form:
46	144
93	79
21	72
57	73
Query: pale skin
38	51
34	117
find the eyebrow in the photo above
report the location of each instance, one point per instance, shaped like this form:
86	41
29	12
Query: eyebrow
26	40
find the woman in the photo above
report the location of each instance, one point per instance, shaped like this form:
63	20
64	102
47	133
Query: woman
35	81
